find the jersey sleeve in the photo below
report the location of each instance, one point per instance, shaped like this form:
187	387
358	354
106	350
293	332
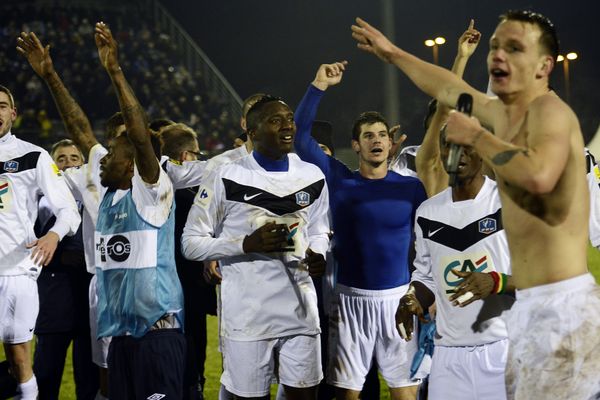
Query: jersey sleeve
60	200
423	269
153	201
204	219
318	225
305	145
185	175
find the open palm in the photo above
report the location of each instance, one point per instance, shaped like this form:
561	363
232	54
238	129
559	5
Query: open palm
37	55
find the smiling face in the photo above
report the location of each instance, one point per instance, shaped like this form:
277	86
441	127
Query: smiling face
274	134
373	144
517	61
8	113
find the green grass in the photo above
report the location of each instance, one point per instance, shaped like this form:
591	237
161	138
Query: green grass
213	365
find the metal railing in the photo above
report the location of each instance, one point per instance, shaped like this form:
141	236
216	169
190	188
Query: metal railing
195	59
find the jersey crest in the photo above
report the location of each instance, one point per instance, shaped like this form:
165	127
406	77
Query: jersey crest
487	226
302	199
11	166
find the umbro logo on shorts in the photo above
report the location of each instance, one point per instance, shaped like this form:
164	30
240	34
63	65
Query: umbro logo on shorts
156	396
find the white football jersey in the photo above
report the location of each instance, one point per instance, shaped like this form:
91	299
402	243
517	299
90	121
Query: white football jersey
26	173
593	178
468	236
263	295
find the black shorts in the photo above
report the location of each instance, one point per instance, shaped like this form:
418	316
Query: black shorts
150	367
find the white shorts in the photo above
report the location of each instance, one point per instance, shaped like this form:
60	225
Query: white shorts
249	368
99	346
469	373
19	307
554	333
362	327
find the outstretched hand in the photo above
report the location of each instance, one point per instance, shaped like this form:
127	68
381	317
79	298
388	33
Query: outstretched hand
468	41
38	56
107	47
329	75
373	41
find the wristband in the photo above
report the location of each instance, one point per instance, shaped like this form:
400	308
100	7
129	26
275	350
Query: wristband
497	280
502	286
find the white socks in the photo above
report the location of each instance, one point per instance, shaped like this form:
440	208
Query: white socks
27	390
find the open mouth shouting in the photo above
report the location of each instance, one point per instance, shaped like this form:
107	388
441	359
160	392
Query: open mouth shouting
498	74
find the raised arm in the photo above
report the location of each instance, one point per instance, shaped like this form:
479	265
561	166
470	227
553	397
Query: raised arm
431	79
76	122
430	167
306	146
133	114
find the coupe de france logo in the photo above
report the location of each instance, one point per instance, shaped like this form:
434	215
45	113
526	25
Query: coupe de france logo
487	226
302	199
11	166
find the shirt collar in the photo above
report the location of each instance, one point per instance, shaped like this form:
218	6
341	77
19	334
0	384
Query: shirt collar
272	165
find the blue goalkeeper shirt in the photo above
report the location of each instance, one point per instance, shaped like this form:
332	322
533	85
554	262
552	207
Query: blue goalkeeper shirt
372	218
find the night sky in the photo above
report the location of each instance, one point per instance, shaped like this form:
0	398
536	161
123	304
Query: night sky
276	46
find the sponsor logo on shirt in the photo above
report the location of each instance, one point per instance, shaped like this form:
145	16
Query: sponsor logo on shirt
5	195
11	166
156	396
302	199
246	197
117	248
467	263
487	226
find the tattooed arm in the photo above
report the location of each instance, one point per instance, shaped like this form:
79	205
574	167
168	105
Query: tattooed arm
76	122
133	114
535	166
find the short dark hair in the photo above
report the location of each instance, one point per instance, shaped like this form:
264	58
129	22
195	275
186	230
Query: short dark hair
65	143
11	99
250	101
548	38
113	123
177	138
367	118
254	114
159	123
